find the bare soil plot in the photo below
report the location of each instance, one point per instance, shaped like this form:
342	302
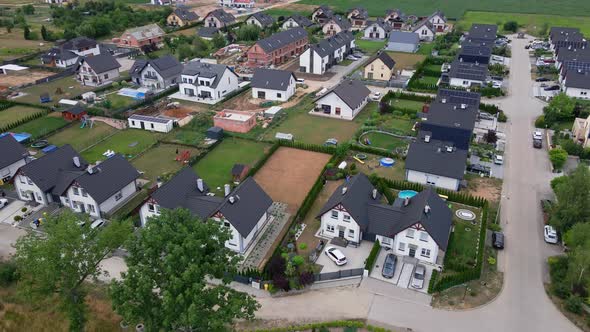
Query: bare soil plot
488	188
23	77
289	174
406	60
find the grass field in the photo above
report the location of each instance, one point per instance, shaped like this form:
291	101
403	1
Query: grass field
118	101
425	48
41	126
128	142
371	165
161	160
276	12
16	113
81	138
428	79
69	86
462	247
369	46
316	129
409	104
533	23
456	8
406	60
215	167
384	141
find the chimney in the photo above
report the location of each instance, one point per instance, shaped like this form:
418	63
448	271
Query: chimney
76	161
232	200
158	182
427	209
90	170
344	189
227	189
444	100
463	106
374	194
200	184
427	138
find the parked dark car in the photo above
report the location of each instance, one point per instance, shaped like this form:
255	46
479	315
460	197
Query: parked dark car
542	79
552	88
389	266
498	240
537	144
479	169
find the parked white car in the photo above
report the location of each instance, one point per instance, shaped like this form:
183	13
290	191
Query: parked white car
376	95
537	134
550	234
498	159
97	223
3	202
335	255
418	276
351	57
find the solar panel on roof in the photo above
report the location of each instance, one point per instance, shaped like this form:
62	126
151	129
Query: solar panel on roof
149	118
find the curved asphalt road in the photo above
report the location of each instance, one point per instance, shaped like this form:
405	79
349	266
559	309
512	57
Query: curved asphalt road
522	305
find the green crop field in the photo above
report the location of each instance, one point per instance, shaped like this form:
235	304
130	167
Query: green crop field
128	142
81	138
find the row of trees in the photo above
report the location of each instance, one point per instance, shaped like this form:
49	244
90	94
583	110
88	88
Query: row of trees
165	285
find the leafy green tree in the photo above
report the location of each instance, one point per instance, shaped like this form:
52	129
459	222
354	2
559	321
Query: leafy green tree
28	9
248	32
201	47
184	52
511	26
560	107
27	33
558	157
59	263
165	286
44	33
573	199
578	235
578	271
218	41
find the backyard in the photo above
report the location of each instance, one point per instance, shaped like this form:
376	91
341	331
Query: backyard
70	88
369	46
462	249
371	165
81	138
117	101
215	167
128	142
406	60
16	113
41	126
384	141
161	160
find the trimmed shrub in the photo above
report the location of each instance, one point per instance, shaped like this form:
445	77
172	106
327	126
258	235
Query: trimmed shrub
8	273
298	260
574	304
370	262
540	122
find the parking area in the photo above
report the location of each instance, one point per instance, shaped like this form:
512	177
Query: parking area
497	171
355	257
8	212
404	270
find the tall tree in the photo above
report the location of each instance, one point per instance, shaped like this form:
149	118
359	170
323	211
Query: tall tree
61	261
218	40
27	33
165	286
560	107
44	34
573	199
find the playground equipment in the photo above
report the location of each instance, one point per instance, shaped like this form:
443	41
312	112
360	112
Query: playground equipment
387	162
109	153
40	144
87	121
183	157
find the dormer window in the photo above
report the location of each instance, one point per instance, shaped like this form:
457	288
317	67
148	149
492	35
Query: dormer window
410	233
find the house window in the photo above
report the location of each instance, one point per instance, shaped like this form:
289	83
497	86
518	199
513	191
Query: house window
410	233
279	95
29	181
22	179
24	194
346	218
401	247
118	196
465	83
151	208
91	208
583	93
76	191
425	253
424	236
386	241
337	110
132	122
226	224
334	214
84	193
351	232
330	228
106	76
152	125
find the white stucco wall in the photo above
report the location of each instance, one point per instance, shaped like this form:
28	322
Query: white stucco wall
81	202
237	242
289	24
425	250
227	84
381	34
276	95
346	113
24	185
577	93
10	170
465	83
424	33
151	125
436	180
327	221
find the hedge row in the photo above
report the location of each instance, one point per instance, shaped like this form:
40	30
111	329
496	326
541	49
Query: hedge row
407	96
415	85
373	150
370	262
24	120
264	159
4	104
325	325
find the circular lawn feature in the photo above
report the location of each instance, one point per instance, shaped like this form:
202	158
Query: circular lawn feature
465	214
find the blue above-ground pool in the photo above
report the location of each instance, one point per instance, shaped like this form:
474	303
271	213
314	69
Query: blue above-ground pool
407	194
387	162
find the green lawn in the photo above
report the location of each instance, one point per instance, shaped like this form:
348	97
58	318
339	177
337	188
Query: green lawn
161	160
118	101
15	113
410	104
462	247
425	48
41	126
317	129
69	86
433	67
371	165
128	142
345	62
429	79
276	12
369	46
456	8
533	23
384	141
563	125
215	167
397	124
81	138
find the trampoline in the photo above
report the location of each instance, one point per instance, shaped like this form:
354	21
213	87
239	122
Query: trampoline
40	144
387	162
361	156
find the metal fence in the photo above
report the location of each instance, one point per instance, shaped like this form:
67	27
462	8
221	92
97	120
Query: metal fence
339	274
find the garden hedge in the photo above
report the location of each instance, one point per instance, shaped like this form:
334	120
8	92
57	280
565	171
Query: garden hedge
370	262
325	325
24	120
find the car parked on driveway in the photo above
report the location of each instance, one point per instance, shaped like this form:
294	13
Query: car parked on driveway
335	255
552	88
97	223
479	169
550	234
389	266
537	143
542	79
498	159
418	277
498	240
3	202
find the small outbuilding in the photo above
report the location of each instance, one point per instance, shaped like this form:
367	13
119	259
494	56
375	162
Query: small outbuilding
273	112
402	41
44	97
215	133
239	172
151	123
235	121
74	113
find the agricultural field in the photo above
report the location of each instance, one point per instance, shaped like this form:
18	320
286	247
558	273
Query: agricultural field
129	142
16	113
406	60
215	167
291	9
82	138
68	85
41	126
161	160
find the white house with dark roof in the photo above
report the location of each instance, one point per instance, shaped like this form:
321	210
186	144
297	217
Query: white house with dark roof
378	29
438	21
417	227
219	19
322	14
261	19
156	74
67	54
335	25
344	101
320	57
576	84
273	84
243	210
296	21
358	17
424	30
151	123
465	74
14	156
206	82
97	70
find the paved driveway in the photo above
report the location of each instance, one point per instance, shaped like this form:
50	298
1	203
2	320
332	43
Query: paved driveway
9	211
497	170
355	257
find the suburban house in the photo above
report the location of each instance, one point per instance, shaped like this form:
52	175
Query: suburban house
244	211
156	74
358	17
320	57
102	188
438	21
207	32
219	19
237	3
273	84
181	16
576	83
581	131
74	113
206	82
277	48
571	54
14	156
482	33
465	74
403	41
150	35
322	14
296	21
458	97
151	123
335	25
566	37
475	53
344	101
396	19
235	121
379	67
98	70
417	227
261	19
425	30
378	29
450	122
67	54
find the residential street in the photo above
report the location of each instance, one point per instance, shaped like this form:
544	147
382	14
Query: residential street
522	305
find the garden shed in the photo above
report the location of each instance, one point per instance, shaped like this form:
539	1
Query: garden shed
215	133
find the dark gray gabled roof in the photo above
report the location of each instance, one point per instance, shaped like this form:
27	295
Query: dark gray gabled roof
577	79
475	50
404	37
355	199
381	23
302	21
107	178
573	54
282	39
11	151
451	123
433	158
207	32
52	170
75	110
326	11
186	14
272	79
327	46
167	66
342	22
362	13
571	44
458	97
574	65
264	19
425	22
352	92
77	43
384	57
563	33
483	32
251	202
223	16
102	63
208	70
469	71
56	53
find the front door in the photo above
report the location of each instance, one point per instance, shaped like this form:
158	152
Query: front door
341	232
370	76
412	251
142	125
